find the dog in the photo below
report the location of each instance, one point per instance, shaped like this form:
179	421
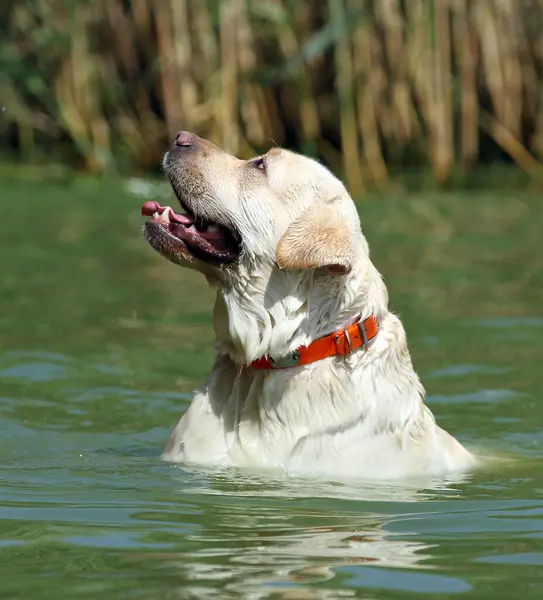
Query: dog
312	372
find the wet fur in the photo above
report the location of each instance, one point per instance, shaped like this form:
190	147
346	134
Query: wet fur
305	271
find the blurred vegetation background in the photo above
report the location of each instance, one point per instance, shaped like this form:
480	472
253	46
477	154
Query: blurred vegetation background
368	86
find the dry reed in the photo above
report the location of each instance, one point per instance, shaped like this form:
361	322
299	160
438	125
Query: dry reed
363	85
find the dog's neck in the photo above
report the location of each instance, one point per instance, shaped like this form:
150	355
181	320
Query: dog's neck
277	311
295	412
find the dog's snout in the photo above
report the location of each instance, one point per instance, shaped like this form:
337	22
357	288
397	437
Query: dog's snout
184	139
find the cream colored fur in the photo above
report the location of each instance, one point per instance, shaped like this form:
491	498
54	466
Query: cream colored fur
305	272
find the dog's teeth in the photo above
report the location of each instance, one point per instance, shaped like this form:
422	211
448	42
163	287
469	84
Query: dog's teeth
213	228
165	216
155	215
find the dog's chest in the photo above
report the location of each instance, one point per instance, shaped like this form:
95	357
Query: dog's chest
266	417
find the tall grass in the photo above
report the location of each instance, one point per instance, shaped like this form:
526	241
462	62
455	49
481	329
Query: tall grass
363	84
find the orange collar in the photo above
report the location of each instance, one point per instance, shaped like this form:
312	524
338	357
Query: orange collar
339	343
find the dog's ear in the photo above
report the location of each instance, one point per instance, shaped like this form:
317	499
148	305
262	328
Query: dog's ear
319	237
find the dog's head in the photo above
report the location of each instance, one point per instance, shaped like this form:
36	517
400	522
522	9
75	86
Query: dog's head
280	208
278	235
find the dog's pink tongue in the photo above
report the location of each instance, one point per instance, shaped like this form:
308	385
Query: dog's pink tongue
152	206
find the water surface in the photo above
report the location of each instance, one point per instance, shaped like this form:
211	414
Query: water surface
101	342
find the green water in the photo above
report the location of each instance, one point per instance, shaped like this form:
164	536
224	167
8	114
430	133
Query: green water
101	342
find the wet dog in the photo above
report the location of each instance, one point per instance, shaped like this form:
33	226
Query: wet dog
312	373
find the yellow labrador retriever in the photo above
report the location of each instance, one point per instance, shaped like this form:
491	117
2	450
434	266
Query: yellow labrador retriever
312	373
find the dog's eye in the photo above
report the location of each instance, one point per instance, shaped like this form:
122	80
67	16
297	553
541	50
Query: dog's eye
259	163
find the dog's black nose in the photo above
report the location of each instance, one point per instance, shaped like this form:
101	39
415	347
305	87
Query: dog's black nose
184	138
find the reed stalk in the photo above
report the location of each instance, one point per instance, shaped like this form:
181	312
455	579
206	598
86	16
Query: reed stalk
345	93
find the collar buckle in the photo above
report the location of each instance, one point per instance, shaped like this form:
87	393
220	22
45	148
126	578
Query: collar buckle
347	346
363	334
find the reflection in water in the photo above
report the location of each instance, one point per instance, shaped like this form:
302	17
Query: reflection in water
244	483
255	549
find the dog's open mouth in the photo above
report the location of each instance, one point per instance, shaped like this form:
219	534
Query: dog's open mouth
202	239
